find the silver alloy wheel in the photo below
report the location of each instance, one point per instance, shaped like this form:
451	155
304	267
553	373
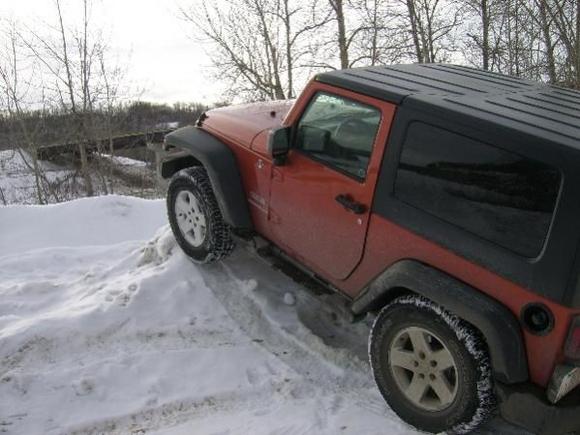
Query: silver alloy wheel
424	369
190	218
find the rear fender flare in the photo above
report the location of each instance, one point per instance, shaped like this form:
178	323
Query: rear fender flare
498	325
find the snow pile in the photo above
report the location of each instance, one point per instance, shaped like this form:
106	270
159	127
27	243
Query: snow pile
106	220
105	327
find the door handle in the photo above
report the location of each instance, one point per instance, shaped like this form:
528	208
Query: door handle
348	203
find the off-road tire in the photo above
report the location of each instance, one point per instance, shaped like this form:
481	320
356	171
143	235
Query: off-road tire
218	242
474	400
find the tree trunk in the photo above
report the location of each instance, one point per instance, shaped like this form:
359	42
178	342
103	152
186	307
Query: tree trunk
375	35
85	169
37	180
275	83
485	24
338	7
289	59
577	84
414	31
550	59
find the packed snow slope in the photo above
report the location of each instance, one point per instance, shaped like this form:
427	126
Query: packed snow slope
106	327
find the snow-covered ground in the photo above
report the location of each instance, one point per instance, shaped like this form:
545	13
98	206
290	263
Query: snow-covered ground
125	161
17	182
106	327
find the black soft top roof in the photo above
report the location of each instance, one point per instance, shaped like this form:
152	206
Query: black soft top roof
547	112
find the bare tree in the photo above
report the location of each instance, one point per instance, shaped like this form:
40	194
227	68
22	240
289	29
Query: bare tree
564	16
546	24
307	19
364	32
343	42
482	45
15	91
518	44
412	16
431	24
79	82
244	45
379	38
258	46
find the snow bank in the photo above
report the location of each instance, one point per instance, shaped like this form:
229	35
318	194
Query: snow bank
85	222
105	327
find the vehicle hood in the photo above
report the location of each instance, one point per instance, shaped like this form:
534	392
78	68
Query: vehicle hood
243	122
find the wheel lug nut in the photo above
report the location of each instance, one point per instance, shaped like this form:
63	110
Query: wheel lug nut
433	363
421	355
421	376
416	363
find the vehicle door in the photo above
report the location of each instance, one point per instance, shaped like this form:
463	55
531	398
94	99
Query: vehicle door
321	196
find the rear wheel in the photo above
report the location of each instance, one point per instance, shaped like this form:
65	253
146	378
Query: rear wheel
432	368
195	217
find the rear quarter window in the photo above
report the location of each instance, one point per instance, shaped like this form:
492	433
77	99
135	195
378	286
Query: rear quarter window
497	195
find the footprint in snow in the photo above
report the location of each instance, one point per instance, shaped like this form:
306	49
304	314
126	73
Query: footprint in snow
84	388
289	299
252	376
123	299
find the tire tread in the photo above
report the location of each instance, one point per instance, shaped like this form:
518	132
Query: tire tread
469	338
221	243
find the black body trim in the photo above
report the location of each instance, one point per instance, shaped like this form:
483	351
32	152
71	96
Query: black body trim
498	325
551	274
174	162
222	168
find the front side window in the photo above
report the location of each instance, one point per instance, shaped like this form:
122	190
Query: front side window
497	195
339	132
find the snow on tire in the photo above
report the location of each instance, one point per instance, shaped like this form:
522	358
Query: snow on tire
195	217
431	367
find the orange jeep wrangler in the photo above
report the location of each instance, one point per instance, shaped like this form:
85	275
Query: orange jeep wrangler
442	199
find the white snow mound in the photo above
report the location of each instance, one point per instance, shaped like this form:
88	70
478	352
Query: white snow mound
106	327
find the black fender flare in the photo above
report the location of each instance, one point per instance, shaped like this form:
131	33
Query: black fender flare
220	163
497	324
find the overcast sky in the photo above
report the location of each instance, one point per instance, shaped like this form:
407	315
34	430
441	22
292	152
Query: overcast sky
149	35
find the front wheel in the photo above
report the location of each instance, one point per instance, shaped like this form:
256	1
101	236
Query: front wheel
432	368
195	217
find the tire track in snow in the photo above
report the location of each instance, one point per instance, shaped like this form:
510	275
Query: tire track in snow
35	354
159	418
174	412
310	354
332	370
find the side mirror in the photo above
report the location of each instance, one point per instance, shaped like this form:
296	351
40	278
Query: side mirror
313	139
279	144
